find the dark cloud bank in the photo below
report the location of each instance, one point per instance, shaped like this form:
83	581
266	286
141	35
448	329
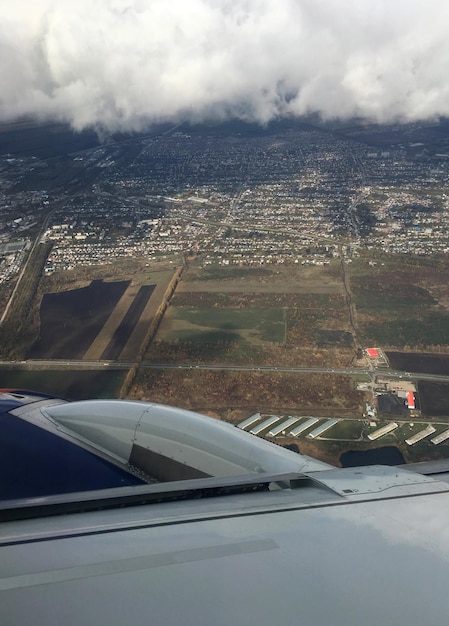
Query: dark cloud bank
124	64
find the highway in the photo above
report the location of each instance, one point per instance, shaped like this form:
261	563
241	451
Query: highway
123	365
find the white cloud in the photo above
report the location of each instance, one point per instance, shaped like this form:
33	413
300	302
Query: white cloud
123	64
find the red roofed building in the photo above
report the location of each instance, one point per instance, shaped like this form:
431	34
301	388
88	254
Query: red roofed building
372	353
410	400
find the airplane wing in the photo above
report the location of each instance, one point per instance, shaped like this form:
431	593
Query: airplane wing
196	522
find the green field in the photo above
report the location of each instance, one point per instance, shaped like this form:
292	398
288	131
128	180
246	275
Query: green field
401	302
375	293
430	329
214	326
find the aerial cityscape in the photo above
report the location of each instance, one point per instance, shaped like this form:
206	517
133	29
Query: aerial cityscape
239	208
290	279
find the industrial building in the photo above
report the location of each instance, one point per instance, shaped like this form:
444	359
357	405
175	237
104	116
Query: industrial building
249	421
283	426
441	437
322	429
265	424
421	435
380	432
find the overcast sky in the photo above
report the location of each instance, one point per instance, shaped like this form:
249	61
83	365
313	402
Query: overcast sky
123	64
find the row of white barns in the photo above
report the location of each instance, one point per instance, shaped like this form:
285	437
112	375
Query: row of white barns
292	426
273	425
422	434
